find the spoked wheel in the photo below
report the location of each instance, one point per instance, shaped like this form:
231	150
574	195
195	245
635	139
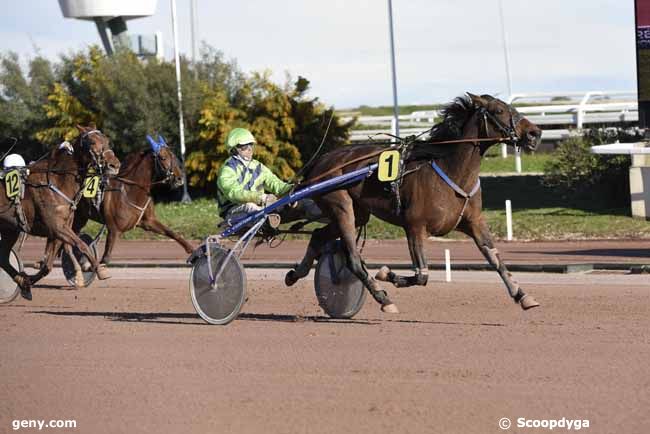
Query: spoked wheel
340	293
8	288
218	303
68	266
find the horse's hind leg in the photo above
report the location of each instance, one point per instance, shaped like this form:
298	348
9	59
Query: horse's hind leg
480	232
22	279
415	238
318	240
51	249
152	224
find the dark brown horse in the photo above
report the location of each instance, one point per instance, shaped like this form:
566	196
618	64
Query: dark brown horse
430	205
52	191
127	201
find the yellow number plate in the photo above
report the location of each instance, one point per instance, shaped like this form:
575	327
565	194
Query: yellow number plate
388	166
12	183
91	185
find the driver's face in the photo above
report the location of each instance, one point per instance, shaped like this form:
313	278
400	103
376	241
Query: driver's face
245	151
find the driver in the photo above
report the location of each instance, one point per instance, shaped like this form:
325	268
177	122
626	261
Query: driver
244	184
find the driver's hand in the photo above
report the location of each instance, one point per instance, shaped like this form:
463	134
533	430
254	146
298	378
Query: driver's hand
268	199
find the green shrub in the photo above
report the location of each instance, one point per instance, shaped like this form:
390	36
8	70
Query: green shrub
574	171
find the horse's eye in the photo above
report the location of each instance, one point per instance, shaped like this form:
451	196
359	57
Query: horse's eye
499	111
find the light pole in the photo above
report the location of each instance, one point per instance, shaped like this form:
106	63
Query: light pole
392	61
504	41
181	130
194	27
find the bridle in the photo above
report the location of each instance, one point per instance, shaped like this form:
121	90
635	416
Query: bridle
510	131
99	158
166	172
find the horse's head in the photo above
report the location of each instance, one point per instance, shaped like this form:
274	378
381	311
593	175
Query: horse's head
502	121
94	151
167	165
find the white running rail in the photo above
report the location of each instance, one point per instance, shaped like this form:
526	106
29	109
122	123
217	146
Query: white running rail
559	114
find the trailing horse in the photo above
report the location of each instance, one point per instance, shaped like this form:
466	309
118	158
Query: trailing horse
438	191
51	190
127	201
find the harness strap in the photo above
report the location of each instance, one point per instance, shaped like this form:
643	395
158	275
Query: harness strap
457	189
55	189
141	209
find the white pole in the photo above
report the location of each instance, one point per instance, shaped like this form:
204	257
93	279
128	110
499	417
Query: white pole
194	27
447	266
517	159
181	129
509	220
392	62
504	40
504	150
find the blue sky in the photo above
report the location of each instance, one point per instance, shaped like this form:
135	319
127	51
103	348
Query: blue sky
444	47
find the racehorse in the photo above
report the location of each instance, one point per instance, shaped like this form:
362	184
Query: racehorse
439	192
52	189
127	200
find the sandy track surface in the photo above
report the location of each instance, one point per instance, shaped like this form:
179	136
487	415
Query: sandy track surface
131	355
393	251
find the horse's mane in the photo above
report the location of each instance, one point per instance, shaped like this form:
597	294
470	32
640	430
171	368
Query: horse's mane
454	117
132	161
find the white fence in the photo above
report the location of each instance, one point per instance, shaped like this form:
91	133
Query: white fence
558	114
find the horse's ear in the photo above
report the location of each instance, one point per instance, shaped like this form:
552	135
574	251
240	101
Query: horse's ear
155	147
161	140
81	129
477	100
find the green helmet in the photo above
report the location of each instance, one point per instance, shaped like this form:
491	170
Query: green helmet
239	136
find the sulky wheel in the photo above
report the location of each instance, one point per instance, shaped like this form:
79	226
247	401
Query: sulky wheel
68	266
340	293
8	288
219	303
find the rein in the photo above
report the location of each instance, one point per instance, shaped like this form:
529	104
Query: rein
376	153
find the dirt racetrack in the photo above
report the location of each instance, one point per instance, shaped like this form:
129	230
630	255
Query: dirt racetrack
131	355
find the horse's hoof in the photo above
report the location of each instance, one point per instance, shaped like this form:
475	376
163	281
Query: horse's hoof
382	274
528	302
102	272
26	293
390	308
79	280
290	278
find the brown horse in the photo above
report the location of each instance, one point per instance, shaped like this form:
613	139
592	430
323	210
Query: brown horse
52	190
429	204
127	201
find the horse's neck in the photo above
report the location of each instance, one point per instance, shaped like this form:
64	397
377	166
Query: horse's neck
141	173
463	165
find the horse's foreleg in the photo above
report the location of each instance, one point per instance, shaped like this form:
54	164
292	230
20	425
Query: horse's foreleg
67	236
79	280
480	232
7	241
346	221
415	238
152	224
319	239
111	238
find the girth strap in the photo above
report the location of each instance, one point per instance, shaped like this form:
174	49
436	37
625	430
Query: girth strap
457	189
